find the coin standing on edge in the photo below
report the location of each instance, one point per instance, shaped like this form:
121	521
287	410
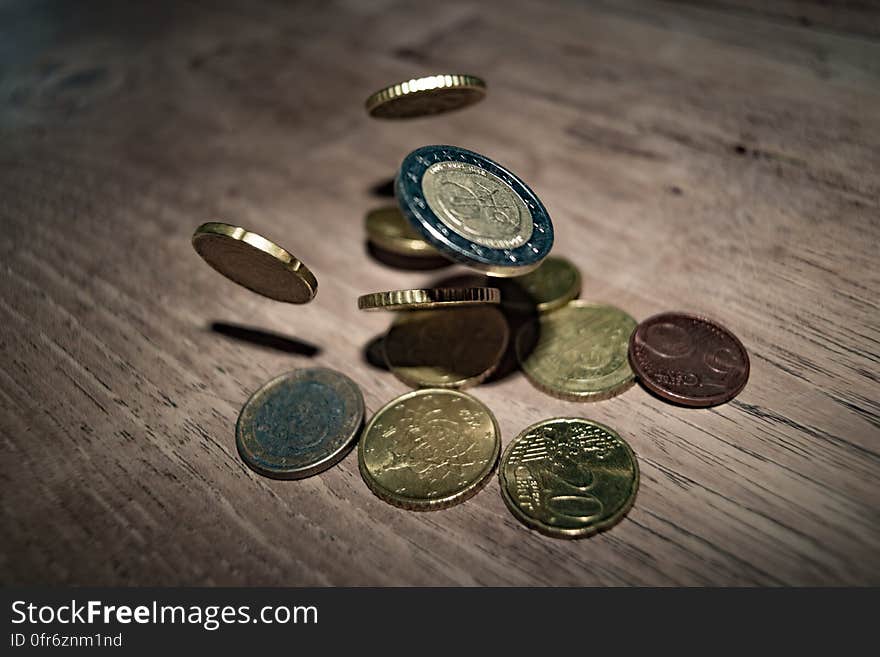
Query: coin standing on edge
433	94
448	348
388	229
569	477
578	352
300	423
473	210
254	262
429	449
552	285
423	299
689	360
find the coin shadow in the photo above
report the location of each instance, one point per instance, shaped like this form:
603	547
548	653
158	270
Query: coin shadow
410	263
374	352
383	188
265	339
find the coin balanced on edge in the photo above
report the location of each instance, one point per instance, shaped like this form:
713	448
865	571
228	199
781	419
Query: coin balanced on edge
433	94
254	262
300	423
448	348
423	299
429	449
688	360
473	210
569	477
578	352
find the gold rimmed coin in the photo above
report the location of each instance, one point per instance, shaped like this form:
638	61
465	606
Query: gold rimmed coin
423	299
553	284
569	477
388	229
433	94
254	262
578	352
449	348
429	449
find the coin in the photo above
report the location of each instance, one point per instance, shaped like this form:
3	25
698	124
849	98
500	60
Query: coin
552	285
569	477
387	228
473	210
429	449
449	348
433	94
254	262
300	423
578	352
688	360
428	298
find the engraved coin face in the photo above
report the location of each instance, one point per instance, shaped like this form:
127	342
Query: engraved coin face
552	285
254	262
433	94
387	228
569	477
300	423
578	352
454	348
473	210
429	449
689	360
477	205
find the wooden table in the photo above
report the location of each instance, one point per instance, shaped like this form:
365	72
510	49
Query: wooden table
717	159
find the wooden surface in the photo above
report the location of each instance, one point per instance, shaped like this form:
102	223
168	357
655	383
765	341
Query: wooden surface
722	158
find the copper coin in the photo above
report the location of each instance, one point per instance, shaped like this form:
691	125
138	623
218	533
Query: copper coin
688	360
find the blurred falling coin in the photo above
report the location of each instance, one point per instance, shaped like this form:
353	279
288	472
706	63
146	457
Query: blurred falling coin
300	423
552	285
433	94
578	352
254	262
688	360
423	299
429	449
449	348
388	229
569	477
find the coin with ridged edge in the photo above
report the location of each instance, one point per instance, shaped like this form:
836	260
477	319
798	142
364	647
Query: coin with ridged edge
254	262
578	352
300	423
473	210
388	229
423	299
429	449
433	94
569	477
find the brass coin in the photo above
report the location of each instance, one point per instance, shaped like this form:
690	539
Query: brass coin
553	284
254	262
387	228
429	449
569	477
433	94
578	352
450	348
428	298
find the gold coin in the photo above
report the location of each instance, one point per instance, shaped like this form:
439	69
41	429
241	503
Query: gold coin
429	449
553	284
433	94
254	262
578	352
569	477
387	228
428	298
450	348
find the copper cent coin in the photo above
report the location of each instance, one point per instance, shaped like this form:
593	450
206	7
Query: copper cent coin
688	360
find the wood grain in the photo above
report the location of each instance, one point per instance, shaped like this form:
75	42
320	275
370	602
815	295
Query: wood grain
693	158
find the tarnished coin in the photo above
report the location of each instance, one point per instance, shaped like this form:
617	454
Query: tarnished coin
387	228
300	423
433	94
449	348
552	285
473	210
688	360
429	449
254	262
569	477
438	297
578	352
